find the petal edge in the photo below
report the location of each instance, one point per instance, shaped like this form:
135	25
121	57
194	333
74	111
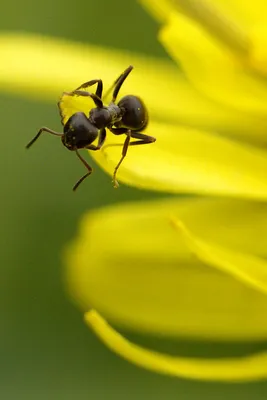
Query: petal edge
248	368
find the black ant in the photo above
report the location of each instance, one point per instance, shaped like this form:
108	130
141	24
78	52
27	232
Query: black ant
128	117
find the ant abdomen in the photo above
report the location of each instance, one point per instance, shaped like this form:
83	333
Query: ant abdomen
135	115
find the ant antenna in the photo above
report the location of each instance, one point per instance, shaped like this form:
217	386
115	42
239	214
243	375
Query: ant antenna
117	84
44	129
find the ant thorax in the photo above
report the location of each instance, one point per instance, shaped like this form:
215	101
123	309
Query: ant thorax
99	117
116	113
105	116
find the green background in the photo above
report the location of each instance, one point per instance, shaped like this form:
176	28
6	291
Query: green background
46	352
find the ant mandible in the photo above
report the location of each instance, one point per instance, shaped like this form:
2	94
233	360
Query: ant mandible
129	116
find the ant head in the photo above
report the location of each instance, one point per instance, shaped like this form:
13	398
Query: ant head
79	132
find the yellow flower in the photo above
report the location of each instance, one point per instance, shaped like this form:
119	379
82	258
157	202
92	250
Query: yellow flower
205	277
194	268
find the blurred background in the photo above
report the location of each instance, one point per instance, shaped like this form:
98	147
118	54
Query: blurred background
46	352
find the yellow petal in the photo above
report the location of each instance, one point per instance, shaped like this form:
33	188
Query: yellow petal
211	17
237	225
49	66
237	24
258	56
187	160
132	266
212	69
247	368
244	12
247	268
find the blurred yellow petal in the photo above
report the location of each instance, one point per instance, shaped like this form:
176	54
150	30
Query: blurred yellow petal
258	57
211	17
247	368
237	225
49	66
143	276
191	161
212	69
249	269
246	13
238	25
223	75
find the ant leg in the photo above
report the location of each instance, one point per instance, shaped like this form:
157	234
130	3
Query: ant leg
143	139
123	155
118	131
44	129
84	176
118	82
98	102
136	135
99	88
101	140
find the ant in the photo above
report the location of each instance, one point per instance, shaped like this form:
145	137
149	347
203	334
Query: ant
129	116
